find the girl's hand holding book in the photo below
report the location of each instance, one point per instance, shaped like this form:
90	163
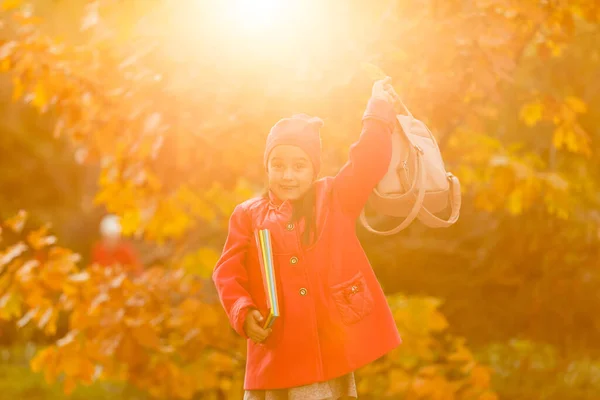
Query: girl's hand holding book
253	327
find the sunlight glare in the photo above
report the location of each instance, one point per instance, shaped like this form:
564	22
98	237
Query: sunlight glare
253	16
255	36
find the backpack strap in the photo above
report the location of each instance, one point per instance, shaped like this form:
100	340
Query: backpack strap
432	221
398	100
416	208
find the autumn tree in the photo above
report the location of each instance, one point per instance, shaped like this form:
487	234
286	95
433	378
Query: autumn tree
173	105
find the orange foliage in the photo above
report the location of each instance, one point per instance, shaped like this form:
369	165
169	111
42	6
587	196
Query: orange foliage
176	157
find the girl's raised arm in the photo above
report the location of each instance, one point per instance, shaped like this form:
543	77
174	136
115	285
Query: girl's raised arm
230	275
369	157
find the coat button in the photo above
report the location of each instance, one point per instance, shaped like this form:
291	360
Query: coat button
290	226
303	291
294	260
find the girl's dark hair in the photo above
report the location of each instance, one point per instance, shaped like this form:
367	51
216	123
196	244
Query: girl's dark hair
304	207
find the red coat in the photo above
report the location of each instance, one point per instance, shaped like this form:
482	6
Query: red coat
335	317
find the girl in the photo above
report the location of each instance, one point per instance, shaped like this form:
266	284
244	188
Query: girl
334	315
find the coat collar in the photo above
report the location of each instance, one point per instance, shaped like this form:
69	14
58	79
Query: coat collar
277	204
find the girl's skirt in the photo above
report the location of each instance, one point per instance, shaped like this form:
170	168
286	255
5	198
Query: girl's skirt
342	387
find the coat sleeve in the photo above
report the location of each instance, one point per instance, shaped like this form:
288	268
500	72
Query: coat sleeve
230	275
369	158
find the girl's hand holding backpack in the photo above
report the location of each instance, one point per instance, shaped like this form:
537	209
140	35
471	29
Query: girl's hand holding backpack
383	90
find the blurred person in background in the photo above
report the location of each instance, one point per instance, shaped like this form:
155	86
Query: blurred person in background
112	249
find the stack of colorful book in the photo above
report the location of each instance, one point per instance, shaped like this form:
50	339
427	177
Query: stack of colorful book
265	255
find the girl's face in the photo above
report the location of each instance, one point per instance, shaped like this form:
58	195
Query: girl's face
290	172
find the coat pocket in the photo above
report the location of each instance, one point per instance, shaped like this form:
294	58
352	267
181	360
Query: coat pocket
353	299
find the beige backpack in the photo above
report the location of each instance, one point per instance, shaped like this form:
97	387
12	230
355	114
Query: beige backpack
416	184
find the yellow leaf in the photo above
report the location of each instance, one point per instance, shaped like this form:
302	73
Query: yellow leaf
8	5
576	104
531	113
515	202
565	136
5	65
571	141
555	48
43	359
18	89
558	137
10	306
39	239
576	10
130	222
438	322
17	222
40	98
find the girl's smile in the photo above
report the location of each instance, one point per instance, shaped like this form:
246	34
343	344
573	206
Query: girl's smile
288	188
